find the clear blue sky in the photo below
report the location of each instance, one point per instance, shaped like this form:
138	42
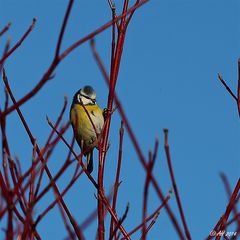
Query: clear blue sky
168	79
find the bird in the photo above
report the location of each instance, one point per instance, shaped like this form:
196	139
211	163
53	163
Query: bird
85	133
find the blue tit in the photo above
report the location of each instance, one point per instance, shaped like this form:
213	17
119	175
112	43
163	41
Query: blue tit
82	126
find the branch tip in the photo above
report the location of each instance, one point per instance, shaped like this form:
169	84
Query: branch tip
125	213
9	39
48	120
34	20
220	77
166	131
6	28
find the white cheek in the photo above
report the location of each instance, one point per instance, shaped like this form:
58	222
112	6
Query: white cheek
84	100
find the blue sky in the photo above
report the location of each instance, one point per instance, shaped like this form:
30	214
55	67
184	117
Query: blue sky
168	79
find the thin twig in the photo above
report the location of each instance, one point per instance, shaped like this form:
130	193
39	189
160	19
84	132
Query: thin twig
135	143
5	29
228	190
234	219
115	65
150	225
73	180
7	46
19	42
90	218
121	220
238	88
99	30
145	195
152	160
227	87
6	194
167	150
229	208
116	184
32	139
48	141
55	178
63	28
131	15
23	176
153	214
48	74
105	201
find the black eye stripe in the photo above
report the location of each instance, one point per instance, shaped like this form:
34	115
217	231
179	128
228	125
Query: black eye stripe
93	100
87	97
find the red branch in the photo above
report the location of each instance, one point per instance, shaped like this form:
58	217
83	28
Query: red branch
227	87
73	180
63	28
237	99
48	74
115	66
22	177
234	219
121	220
150	226
7	46
117	183
228	190
19	42
15	185
152	215
105	201
222	222
5	29
151	162
32	139
167	150
229	208
145	197
100	29
57	176
48	143
135	142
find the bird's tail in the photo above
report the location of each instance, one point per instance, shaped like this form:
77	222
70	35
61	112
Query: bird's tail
90	162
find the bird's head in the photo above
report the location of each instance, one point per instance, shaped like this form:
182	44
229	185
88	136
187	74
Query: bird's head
85	96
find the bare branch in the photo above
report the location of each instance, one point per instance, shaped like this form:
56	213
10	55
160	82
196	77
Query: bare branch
32	139
135	142
5	29
167	150
227	87
12	50
63	28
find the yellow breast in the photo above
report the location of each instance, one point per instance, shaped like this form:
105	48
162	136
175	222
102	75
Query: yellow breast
82	124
